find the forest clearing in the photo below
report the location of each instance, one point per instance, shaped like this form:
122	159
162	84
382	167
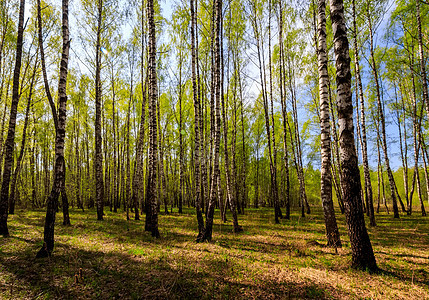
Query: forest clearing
118	260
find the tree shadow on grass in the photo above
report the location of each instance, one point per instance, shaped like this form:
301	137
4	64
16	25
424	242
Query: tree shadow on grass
107	275
166	268
419	276
23	218
401	255
386	237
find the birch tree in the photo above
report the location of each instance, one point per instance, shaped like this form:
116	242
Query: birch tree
362	253
332	232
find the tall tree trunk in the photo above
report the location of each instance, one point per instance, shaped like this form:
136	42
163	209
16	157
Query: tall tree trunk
232	200
382	120
60	166
336	166
244	194
59	149
362	253
197	129
127	145
106	149
217	9
231	188
256	200
416	125
33	171
380	177
181	165
98	162
202	124
138	185
282	87
257	33
297	143
273	133
22	150
332	233
88	190
403	146
366	170
162	178
10	144
230	173
152	210
78	165
123	167
115	146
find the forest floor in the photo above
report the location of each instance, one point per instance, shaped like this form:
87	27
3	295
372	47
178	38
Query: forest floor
119	260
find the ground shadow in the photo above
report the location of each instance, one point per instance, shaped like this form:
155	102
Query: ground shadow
73	273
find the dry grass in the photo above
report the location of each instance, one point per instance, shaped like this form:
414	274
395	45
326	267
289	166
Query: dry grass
119	260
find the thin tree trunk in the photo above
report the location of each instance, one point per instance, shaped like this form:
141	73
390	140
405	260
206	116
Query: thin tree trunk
383	121
403	147
273	135
231	199
162	179
366	170
138	190
152	210
419	194
231	195
256	200
244	195
106	149
380	177
128	159
60	166
33	172
197	143
282	86
336	157
230	174
297	144
416	126
78	165
115	146
98	162
260	54
22	150
59	149
181	166
10	144
88	190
